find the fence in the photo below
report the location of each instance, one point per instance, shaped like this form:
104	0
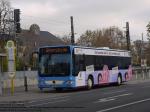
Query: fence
141	73
138	74
19	78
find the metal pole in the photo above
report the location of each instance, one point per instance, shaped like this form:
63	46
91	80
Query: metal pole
136	77
25	81
72	30
142	58
12	85
128	35
143	74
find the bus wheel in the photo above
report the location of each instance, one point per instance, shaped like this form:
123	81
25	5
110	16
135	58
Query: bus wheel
119	80
90	83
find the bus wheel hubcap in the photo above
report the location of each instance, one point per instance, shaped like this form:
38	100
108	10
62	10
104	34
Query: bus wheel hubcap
119	80
89	83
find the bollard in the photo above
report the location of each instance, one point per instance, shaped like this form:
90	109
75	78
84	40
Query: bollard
12	86
25	79
25	83
12	78
143	74
136	77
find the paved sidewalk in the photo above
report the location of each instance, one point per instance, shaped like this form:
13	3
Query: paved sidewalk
33	93
18	90
138	81
20	94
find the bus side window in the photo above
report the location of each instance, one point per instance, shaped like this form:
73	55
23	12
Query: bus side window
82	62
78	64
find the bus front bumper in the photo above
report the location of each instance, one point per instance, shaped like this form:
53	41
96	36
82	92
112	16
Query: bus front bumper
46	83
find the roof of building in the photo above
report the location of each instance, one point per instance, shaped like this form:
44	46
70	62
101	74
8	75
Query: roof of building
30	42
44	38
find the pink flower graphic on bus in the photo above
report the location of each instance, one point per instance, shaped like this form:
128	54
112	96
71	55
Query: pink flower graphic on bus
129	73
104	77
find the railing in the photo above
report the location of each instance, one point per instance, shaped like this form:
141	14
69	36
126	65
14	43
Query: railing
19	78
140	73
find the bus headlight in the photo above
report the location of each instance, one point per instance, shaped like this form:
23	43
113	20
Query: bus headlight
69	82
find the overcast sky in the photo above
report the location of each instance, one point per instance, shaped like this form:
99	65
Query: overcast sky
54	15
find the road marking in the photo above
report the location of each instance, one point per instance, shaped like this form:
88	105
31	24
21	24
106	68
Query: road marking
48	103
112	98
106	100
146	87
127	94
120	106
48	98
115	92
52	96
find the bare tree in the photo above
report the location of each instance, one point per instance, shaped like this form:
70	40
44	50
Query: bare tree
137	51
148	47
66	39
148	29
86	39
107	37
5	17
6	23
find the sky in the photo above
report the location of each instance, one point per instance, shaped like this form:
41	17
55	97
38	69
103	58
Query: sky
54	15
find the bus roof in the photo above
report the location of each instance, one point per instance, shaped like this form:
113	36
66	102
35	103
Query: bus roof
80	50
83	47
101	48
101	52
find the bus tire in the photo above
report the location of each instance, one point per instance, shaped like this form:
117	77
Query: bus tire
119	80
90	83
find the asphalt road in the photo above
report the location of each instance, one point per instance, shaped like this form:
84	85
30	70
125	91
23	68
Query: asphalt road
129	97
124	98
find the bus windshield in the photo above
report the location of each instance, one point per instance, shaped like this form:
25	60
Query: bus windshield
55	64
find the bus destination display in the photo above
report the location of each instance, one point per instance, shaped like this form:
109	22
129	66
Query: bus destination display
55	50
